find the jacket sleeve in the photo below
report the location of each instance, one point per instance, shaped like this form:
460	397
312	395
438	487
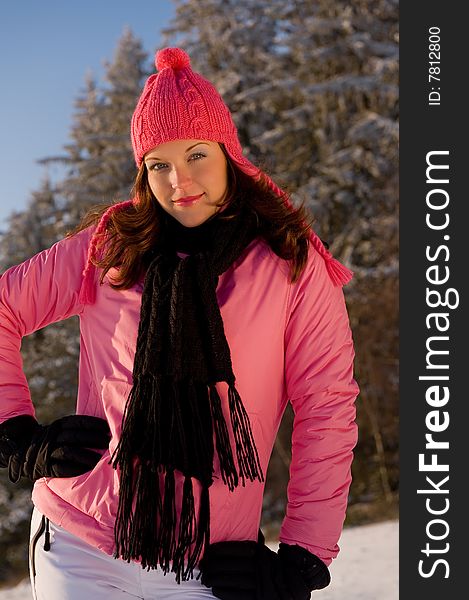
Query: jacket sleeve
319	382
33	294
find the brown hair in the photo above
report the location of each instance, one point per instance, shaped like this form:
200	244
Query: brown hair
131	232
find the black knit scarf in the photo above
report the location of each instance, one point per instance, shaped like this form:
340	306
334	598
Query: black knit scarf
174	412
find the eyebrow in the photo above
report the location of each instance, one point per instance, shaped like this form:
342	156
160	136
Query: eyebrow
190	148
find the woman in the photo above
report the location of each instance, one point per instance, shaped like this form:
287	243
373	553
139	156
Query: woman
206	303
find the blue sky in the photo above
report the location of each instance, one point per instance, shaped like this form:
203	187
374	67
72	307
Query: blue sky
46	49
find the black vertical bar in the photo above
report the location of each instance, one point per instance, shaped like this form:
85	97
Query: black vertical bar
434	366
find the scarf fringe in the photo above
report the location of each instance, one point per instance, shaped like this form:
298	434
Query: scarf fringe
130	544
203	534
246	451
167	534
146	523
191	532
124	524
222	440
186	526
158	546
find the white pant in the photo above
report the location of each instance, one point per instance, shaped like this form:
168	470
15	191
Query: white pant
74	570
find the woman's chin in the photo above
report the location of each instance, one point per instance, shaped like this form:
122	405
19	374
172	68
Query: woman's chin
191	219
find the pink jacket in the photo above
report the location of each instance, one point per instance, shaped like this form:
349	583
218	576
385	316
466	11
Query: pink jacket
288	343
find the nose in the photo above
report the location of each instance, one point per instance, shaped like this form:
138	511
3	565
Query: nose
180	178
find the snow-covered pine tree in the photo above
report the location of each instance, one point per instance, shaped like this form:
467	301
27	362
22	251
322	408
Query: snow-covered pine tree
99	156
33	229
349	107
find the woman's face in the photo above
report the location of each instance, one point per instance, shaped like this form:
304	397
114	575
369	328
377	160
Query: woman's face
188	178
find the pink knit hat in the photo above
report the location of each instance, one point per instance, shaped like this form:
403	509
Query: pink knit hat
177	103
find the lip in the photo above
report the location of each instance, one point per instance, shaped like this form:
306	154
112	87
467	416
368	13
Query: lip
187	200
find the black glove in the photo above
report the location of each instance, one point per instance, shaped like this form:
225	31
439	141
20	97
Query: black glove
61	449
251	571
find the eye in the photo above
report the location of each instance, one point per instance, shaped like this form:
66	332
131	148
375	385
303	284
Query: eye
197	156
157	166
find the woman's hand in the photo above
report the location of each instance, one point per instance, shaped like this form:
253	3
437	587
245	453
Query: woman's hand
247	570
61	449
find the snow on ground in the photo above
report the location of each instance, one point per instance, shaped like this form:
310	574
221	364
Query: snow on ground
366	568
20	592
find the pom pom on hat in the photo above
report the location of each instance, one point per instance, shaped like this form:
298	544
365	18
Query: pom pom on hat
172	58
